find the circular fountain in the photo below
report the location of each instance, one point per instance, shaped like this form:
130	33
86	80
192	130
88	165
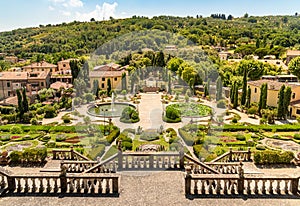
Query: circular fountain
110	109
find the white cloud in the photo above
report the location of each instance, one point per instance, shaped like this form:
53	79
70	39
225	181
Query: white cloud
73	3
101	12
50	8
57	1
65	13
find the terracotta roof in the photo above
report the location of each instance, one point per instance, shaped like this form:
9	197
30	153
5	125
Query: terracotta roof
273	85
106	73
39	75
107	67
13	75
66	60
58	85
42	64
293	53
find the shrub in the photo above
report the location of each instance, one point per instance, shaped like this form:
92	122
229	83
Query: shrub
197	150
260	147
66	118
221	104
16	130
129	115
50	111
33	121
51	144
149	136
240	137
273	157
15	157
45	138
297	136
234	120
60	137
27	137
172	113
113	135
189	140
5	137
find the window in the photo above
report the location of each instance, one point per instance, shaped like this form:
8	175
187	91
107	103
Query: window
42	84
8	93
255	90
294	95
116	79
64	65
103	79
102	85
8	84
298	111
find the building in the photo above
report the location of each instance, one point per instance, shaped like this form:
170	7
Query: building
273	91
281	78
40	67
110	71
224	55
60	85
290	54
11	59
33	81
64	65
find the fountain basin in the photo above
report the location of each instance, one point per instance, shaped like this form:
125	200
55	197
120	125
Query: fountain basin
109	110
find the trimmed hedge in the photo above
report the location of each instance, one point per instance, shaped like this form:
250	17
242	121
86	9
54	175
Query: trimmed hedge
273	157
33	155
257	128
149	136
189	140
168	120
113	135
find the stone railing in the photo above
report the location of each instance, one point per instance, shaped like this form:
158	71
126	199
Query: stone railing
238	184
198	167
68	155
77	166
93	184
224	167
234	156
110	165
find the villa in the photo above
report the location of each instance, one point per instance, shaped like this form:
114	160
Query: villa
290	54
40	67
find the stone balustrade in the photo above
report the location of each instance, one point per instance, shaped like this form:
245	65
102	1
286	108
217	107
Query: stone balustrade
77	166
234	156
224	168
68	155
94	184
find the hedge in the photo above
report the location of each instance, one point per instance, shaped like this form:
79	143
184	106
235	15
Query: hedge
257	128
189	140
273	157
149	136
29	155
113	135
168	120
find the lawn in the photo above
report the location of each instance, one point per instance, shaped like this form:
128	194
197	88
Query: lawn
191	109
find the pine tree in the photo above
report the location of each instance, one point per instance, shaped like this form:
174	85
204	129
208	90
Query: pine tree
286	101
248	99
244	89
20	104
280	109
25	101
219	89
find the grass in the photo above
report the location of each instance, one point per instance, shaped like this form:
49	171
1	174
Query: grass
191	109
112	151
96	151
161	141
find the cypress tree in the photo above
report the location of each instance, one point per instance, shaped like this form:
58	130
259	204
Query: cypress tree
96	87
244	89
232	91
219	89
124	82
236	96
20	104
286	101
169	84
25	101
280	109
248	99
108	87
263	98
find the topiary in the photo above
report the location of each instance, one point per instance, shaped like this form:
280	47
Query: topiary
16	130
297	136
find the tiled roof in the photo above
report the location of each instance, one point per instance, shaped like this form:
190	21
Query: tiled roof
58	85
106	73
293	53
273	85
42	64
13	75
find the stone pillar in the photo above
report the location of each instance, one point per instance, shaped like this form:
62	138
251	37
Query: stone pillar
188	180
181	156
249	154
241	179
63	179
230	154
115	185
72	153
120	156
11	182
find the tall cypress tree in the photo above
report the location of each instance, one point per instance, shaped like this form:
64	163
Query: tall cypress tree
96	87
219	89
263	98
169	85
236	96
124	82
108	87
244	89
280	109
286	101
248	99
232	91
20	104
25	101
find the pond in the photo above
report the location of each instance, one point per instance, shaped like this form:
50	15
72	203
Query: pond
108	109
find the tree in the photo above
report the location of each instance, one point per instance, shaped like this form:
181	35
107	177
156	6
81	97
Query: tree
74	69
219	89
263	97
160	59
20	104
96	88
169	84
294	66
248	99
232	91
25	101
236	97
244	88
246	15
124	81
252	110
280	108
108	87
286	101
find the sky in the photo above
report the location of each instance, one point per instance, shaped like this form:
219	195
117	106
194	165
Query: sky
30	13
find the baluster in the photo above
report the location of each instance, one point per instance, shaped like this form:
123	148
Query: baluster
55	189
157	159
100	186
145	162
71	187
278	187
232	187
271	187
203	189
195	187
107	189
249	187
19	187
48	186
77	185
33	189
218	188
256	187
210	189
126	162
286	186
169	162
139	162
263	190
93	184
26	186
226	187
